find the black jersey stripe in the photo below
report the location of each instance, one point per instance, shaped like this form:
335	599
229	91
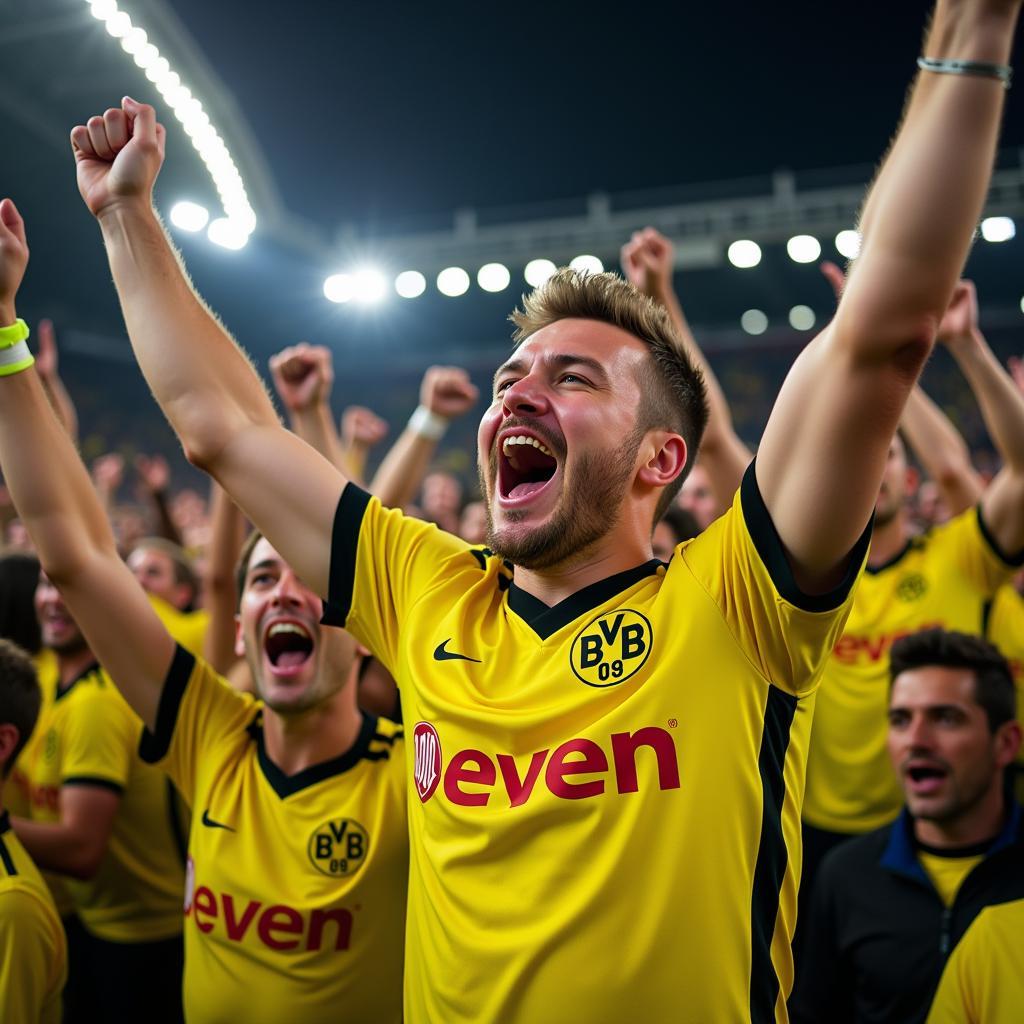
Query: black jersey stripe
1015	559
153	746
348	518
772	856
6	859
177	825
93	780
772	552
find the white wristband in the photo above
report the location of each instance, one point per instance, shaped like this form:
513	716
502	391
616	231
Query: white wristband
427	424
15	358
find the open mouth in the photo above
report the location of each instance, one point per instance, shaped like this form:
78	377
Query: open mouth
925	778
288	645
525	466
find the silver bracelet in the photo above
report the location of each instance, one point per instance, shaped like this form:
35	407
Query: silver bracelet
979	68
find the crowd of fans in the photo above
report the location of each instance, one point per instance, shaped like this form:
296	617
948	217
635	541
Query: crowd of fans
817	801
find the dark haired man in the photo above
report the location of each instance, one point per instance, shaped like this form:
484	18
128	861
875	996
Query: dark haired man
888	907
569	692
33	950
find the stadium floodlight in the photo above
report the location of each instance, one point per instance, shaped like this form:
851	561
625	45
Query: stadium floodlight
537	272
368	285
744	254
189	216
340	288
410	284
848	243
587	265
493	277
453	281
801	318
239	221
754	321
227	233
998	229
803	248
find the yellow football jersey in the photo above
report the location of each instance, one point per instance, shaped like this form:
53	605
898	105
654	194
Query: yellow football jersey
296	887
33	950
604	817
983	982
186	628
90	736
942	578
1005	628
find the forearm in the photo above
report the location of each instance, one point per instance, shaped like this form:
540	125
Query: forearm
165	525
204	383
355	456
1001	404
924	206
59	506
398	479
62	404
315	425
59	847
220	599
942	451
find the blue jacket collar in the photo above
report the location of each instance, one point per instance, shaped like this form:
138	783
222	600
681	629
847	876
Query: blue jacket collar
900	854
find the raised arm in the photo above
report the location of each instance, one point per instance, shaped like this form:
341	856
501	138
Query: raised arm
47	361
303	375
220	592
361	429
55	498
822	455
1002	408
205	385
446	392
647	261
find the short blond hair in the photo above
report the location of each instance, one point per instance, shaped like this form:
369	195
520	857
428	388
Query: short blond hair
673	396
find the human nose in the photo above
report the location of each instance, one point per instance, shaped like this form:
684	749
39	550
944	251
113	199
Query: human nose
526	396
288	590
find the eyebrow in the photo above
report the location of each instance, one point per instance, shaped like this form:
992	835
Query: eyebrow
559	361
267	563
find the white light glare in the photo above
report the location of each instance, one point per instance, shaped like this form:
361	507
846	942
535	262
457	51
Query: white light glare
754	322
848	243
744	254
493	277
340	287
803	248
103	9
134	41
587	265
537	272
410	284
227	233
119	24
189	216
453	281
998	229
801	318
369	285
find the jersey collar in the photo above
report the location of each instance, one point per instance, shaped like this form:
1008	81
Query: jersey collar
5	822
545	620
87	671
890	562
287	785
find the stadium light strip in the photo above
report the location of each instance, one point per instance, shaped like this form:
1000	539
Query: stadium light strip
239	220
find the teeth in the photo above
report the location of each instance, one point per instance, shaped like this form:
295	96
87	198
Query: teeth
287	627
524	439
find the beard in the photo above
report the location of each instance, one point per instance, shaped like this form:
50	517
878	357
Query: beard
588	509
74	644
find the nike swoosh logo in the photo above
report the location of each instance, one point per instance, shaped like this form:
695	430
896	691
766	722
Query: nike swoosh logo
210	823
440	654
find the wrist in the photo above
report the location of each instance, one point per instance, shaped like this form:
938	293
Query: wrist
119	213
428	424
8	315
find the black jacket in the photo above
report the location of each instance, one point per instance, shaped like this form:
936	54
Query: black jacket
878	934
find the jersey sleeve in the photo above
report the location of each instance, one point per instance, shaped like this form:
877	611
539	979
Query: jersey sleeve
966	542
742	565
957	997
100	739
382	562
197	709
33	958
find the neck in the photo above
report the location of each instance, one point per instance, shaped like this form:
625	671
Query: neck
981	822
71	666
298	741
888	540
603	559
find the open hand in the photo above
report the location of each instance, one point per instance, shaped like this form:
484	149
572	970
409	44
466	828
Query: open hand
118	155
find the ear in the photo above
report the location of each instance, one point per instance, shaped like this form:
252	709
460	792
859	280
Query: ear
239	638
9	737
1008	737
665	462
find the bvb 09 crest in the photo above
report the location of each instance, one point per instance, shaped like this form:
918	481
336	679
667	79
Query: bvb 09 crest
611	648
338	847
